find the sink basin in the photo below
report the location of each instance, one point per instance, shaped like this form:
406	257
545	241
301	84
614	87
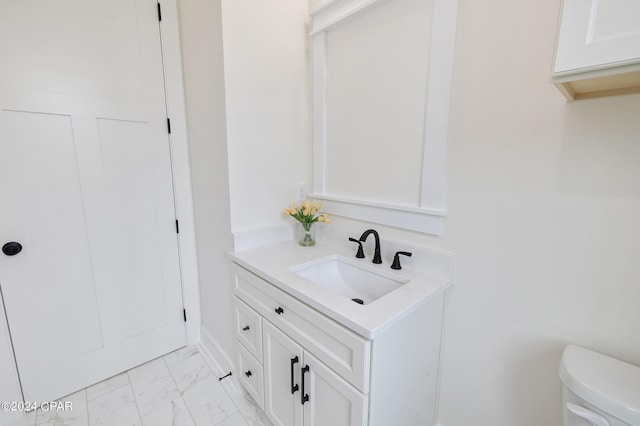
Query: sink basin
356	281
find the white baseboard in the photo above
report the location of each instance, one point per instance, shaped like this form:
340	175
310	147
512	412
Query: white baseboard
218	360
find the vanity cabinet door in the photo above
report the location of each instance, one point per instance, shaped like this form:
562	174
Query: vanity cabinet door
332	401
281	405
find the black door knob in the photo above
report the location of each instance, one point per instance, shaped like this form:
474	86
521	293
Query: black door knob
12	248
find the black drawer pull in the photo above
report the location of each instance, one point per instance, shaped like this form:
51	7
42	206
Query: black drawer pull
303	396
294	388
248	373
245	328
279	310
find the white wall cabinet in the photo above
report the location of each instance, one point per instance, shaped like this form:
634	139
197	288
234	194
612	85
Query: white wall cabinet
598	48
287	351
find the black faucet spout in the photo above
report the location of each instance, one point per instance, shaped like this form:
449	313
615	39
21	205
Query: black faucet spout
376	255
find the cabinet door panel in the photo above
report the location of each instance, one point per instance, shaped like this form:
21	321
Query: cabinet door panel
332	401
596	34
280	405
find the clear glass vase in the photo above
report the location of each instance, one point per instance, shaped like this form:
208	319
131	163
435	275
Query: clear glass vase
306	234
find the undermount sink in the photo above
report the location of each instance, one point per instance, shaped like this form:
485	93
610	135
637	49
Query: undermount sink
361	283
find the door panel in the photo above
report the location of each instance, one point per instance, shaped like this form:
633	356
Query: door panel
72	47
40	175
9	385
131	194
86	187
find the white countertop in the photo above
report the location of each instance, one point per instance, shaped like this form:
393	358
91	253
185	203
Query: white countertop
429	273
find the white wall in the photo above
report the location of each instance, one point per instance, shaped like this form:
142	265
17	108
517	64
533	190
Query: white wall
544	202
248	118
267	87
545	205
544	198
201	40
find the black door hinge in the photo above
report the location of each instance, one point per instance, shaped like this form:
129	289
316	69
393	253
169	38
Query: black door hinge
159	13
184	315
177	227
169	126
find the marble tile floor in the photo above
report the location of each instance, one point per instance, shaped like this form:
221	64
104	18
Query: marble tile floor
178	389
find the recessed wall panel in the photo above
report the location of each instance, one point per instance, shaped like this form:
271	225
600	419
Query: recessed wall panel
376	88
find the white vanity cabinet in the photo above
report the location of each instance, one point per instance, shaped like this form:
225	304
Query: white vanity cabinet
301	390
304	368
277	338
598	48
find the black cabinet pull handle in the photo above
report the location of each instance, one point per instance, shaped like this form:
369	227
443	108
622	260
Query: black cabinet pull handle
294	388
279	310
303	396
245	328
248	373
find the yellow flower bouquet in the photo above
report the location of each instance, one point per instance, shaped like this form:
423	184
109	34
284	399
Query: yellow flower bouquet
307	213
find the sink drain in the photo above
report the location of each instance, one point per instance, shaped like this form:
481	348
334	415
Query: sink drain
358	301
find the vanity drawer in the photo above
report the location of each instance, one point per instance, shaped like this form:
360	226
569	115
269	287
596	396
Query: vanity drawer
250	375
341	349
248	328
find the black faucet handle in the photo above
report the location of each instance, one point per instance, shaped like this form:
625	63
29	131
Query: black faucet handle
396	259
360	254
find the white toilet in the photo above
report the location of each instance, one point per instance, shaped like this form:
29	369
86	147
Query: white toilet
598	390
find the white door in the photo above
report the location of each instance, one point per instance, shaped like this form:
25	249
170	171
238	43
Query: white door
281	353
86	189
9	385
595	33
332	401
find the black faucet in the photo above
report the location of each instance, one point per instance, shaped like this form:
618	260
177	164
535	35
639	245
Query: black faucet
376	255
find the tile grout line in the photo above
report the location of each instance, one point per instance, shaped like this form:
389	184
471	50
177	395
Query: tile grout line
228	391
179	391
86	401
229	396
235	399
133	392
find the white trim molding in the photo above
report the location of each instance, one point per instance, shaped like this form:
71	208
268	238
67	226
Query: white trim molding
411	218
176	111
428	215
219	363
